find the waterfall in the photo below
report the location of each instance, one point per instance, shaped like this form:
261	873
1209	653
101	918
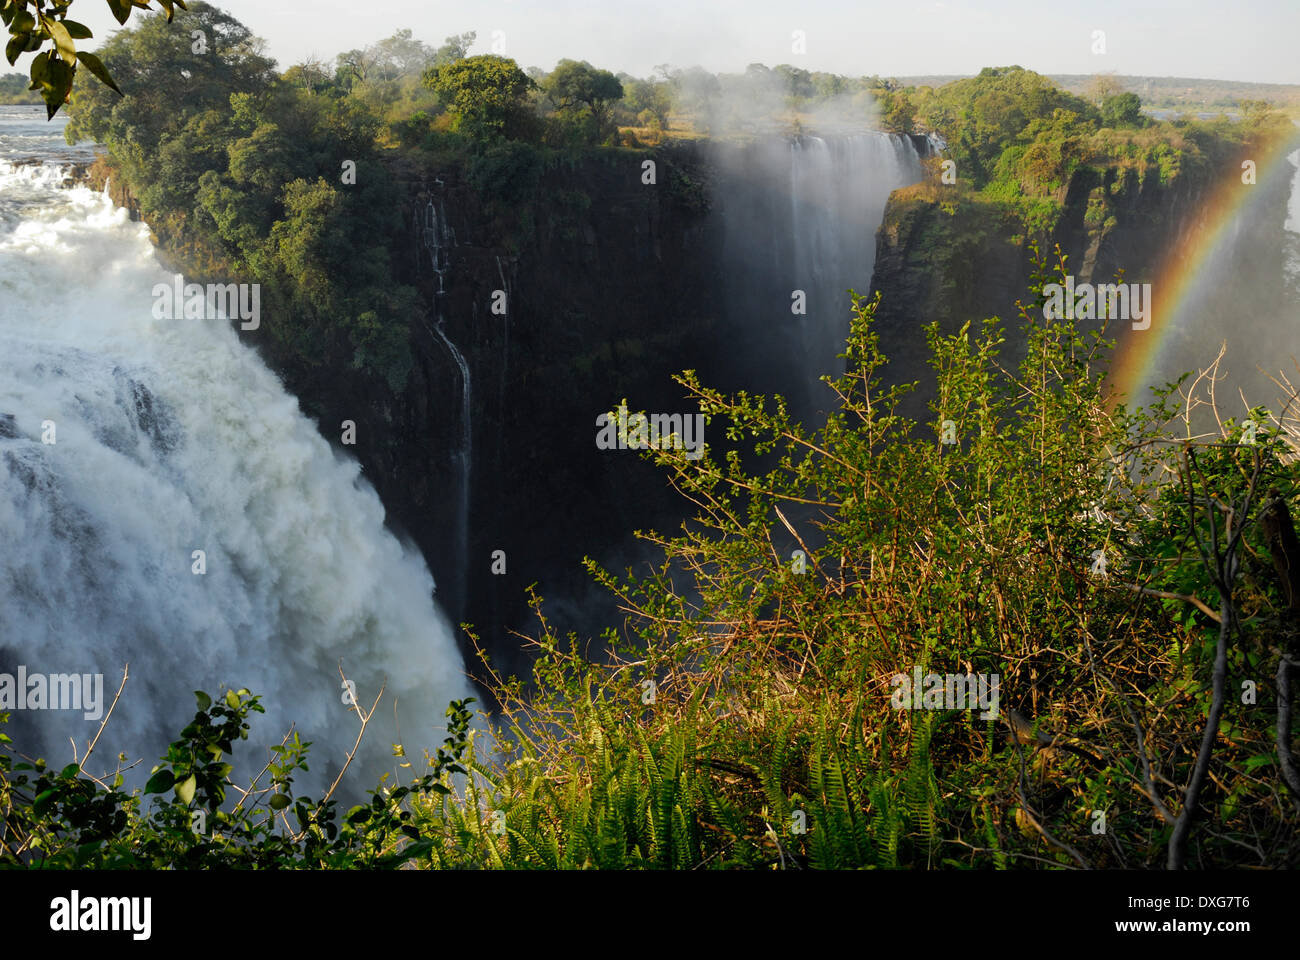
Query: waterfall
802	214
505	356
1292	224
464	455
170	437
439	238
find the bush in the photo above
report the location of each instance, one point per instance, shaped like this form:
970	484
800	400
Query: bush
506	173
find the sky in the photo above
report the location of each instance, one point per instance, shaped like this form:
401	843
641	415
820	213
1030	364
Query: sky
1250	40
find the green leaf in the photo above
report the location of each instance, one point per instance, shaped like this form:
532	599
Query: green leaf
204	700
55	85
1257	761
16	45
279	801
59	34
86	850
42	803
417	849
160	782
23	22
121	9
39	68
94	65
185	789
232	700
70	771
78	31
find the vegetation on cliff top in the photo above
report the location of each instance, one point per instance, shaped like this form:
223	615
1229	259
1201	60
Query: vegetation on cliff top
1017	140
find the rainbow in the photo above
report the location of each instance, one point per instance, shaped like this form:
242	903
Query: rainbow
1183	272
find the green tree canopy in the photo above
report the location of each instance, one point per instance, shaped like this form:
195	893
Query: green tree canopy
1122	110
169	74
574	85
485	94
653	95
980	116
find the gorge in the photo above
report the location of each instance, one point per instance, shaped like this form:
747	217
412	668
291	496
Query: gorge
542	299
592	260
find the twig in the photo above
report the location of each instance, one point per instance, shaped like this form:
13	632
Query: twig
103	723
1197	602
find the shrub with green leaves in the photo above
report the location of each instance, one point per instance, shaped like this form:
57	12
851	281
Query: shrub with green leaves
184	817
743	717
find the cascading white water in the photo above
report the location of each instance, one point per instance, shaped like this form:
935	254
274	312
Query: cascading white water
839	189
438	240
465	455
802	215
505	343
1293	219
171	436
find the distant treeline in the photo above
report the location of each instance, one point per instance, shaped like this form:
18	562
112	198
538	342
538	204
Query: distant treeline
1174	93
1162	93
13	89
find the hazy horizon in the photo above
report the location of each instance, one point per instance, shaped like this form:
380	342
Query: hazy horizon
948	37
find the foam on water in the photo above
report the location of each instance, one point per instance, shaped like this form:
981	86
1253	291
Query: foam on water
172	436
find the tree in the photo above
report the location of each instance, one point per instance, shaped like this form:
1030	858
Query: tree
1255	111
1122	110
1055	147
311	75
654	96
33	23
391	59
696	90
899	112
827	85
486	94
354	66
573	85
1101	87
168	78
400	56
981	116
454	48
14	89
796	83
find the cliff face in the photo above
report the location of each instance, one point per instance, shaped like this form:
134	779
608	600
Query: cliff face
607	286
969	261
591	288
603	282
604	287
